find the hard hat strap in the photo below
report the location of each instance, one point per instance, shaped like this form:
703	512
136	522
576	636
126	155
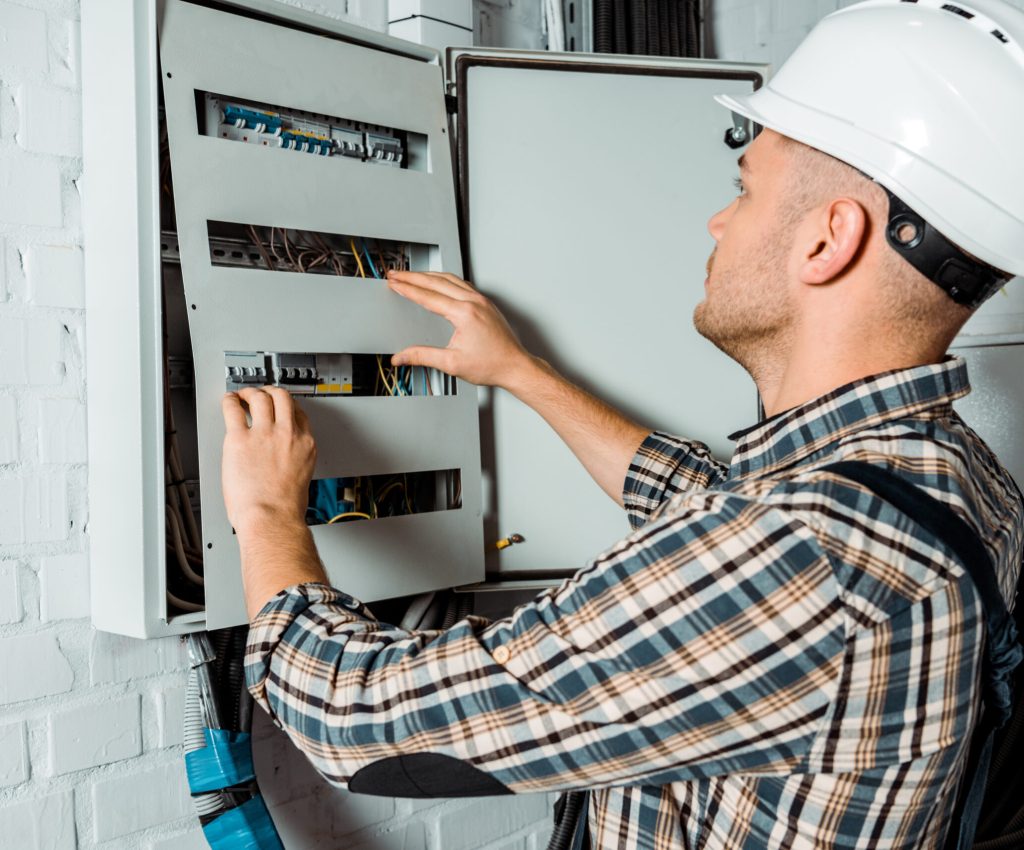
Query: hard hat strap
966	280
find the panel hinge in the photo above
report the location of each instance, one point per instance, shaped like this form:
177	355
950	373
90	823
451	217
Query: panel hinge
451	104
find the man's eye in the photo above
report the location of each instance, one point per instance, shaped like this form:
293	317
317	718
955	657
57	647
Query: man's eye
738	184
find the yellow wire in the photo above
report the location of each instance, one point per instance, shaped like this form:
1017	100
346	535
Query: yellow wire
389	387
388	489
359	514
405	490
355	253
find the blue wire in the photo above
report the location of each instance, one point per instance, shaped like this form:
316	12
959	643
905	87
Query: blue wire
369	259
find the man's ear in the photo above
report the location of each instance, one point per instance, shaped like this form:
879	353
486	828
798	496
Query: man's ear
835	239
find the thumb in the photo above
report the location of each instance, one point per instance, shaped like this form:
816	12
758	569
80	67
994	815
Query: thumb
423	355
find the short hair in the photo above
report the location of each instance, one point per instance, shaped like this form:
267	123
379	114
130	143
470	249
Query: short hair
910	301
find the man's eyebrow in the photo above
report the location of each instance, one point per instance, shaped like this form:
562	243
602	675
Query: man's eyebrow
743	164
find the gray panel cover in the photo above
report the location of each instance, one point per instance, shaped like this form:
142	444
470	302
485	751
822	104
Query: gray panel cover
589	195
238	310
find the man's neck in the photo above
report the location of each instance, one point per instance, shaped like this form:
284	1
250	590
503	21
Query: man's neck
814	369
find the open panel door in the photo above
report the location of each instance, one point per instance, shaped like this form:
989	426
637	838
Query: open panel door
586	184
255	315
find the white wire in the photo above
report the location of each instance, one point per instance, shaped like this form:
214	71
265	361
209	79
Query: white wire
173	522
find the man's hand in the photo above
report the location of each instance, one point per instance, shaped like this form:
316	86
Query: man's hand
483	350
267	466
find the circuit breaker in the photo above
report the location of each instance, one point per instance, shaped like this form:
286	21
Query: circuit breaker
276	165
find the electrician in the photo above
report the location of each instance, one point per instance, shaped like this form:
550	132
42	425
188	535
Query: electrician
775	657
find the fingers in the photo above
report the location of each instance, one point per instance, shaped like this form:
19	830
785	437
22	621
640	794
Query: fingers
301	419
424	355
261	406
445	284
284	406
234	413
458	281
435	302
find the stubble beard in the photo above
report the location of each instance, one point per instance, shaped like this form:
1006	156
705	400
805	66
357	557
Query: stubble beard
748	313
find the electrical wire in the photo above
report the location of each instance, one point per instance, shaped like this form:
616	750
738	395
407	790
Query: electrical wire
186	568
347	514
260	247
355	253
391	388
369	259
184	605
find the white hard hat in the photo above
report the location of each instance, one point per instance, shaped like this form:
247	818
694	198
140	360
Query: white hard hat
926	98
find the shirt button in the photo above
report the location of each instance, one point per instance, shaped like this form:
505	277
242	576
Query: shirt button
502	654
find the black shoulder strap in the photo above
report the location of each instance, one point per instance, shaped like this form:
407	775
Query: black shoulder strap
938	519
1002	645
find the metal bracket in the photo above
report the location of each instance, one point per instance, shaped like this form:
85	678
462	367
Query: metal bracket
740	133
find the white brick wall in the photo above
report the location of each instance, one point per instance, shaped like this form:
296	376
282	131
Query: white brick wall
91	723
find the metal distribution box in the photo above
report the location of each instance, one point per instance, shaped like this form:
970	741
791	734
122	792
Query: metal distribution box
577	198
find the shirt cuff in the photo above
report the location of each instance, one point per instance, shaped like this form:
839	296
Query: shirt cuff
271	625
662	467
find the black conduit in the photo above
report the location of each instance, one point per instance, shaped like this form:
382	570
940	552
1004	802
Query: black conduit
565	824
647	27
604	26
638	20
621	26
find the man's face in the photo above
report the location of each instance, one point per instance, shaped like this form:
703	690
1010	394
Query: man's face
748	303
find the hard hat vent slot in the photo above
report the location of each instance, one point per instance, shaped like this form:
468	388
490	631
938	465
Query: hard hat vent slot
1000	36
956	10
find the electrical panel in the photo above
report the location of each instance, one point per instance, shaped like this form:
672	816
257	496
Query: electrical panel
273	165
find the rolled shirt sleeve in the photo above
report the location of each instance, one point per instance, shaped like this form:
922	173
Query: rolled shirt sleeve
665	466
708	642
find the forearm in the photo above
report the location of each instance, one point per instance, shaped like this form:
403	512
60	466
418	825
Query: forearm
276	554
602	439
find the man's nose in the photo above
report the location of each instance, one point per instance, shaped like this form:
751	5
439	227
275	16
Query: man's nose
720	220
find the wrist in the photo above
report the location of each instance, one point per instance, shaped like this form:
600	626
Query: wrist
261	524
522	380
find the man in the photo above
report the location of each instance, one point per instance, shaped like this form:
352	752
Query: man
775	658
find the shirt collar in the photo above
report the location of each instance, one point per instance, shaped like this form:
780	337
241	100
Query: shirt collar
790	436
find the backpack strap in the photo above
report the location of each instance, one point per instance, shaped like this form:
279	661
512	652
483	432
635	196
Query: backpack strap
1003	650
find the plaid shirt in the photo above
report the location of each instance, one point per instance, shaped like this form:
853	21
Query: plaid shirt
774	658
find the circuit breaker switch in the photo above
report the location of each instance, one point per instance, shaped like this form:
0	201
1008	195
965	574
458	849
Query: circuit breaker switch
384	149
245	367
349	142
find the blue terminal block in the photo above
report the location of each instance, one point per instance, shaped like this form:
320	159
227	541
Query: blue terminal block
260	122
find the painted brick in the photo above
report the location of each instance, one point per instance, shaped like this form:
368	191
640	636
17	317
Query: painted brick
13	754
30	191
32	666
170	717
30	350
126	804
193	840
33	510
491	818
11	610
56	276
8	429
3	247
23	37
115	658
410	836
46	823
51	120
61	431
64	587
94	735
